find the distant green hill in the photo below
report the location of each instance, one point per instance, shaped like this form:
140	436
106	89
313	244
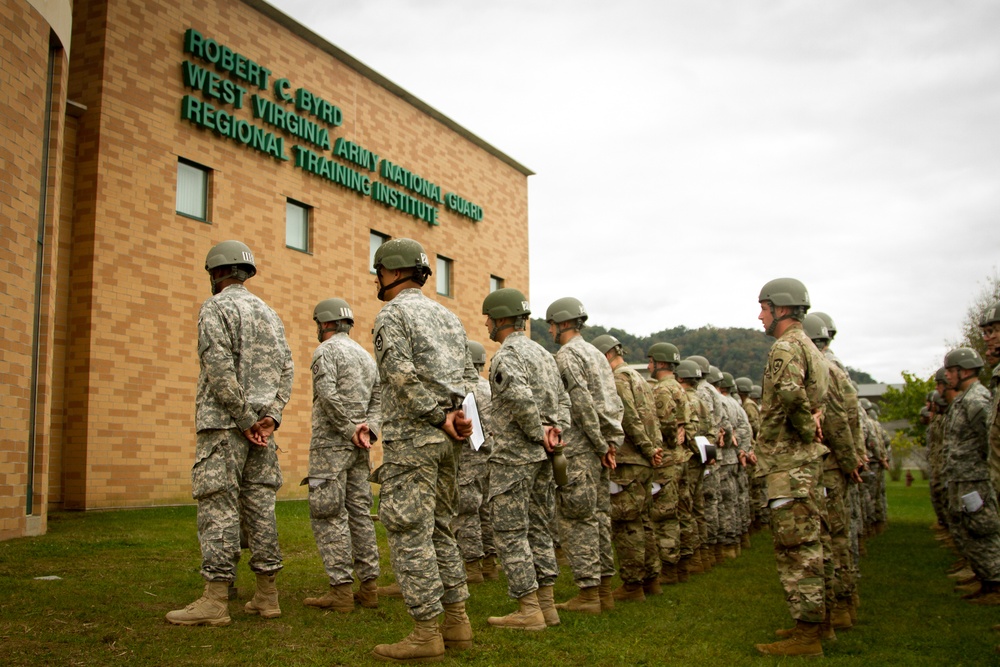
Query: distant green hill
740	351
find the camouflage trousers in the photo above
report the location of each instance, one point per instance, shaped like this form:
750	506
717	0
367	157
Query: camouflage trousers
580	520
631	527
758	499
977	533
729	510
664	512
691	506
418	501
838	516
521	503
939	493
235	483
855	530
797	518
869	494
743	495
472	527
712	490
340	504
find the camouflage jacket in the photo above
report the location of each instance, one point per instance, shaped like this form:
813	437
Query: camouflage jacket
753	416
246	366
729	454
346	392
528	395
639	422
596	409
795	385
425	368
673	410
995	430
966	439
741	425
719	418
837	433
701	419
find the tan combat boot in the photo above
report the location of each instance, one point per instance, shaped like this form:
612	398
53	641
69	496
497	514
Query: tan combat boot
669	574
629	593
527	617
720	553
212	608
338	598
604	594
367	594
840	617
424	644
587	601
694	563
707	558
682	569
456	631
489	568
390	591
731	551
546	601
804	641
473	572
265	598
745	541
651	586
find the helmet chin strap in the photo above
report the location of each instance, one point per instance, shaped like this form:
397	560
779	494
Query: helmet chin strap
774	320
495	331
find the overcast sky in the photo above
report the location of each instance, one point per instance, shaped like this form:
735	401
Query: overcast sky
688	152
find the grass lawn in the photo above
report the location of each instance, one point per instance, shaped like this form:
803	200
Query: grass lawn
122	571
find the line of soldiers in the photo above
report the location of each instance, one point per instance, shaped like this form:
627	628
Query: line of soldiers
580	451
963	447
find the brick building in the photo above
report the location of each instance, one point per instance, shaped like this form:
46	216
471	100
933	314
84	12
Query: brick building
137	134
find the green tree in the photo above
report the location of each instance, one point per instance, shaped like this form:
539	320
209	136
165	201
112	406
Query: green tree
905	404
971	336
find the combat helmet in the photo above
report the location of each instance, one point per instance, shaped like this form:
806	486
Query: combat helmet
688	370
815	328
756	392
963	357
830	326
506	302
664	352
566	309
478	353
399	254
714	375
332	310
991	315
727	381
234	254
702	363
605	343
788	292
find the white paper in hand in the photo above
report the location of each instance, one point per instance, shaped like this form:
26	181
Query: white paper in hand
702	443
471	411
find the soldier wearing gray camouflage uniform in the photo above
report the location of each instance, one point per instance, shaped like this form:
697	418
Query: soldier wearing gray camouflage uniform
345	423
244	384
424	364
691	496
632	478
472	526
594	435
720	434
989	324
730	513
530	410
790	453
972	502
744	442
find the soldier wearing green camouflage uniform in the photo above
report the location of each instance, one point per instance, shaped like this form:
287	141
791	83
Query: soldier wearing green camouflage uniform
790	453
730	512
594	435
345	421
691	496
530	410
243	386
424	364
721	435
673	412
472	527
972	501
935	456
632	478
756	490
990	326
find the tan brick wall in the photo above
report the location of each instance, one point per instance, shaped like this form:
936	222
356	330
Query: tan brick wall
135	268
24	58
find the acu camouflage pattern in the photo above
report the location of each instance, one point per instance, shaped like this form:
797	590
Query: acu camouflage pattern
994	424
346	393
527	396
935	457
691	498
631	527
246	373
966	469
472	528
425	367
584	503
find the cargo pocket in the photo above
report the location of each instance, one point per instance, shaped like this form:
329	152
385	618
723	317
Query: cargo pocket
626	505
794	524
208	475
508	508
983	522
325	499
578	498
665	502
470	497
399	507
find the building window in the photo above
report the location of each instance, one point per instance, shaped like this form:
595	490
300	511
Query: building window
495	283
192	190
443	276
375	241
297	225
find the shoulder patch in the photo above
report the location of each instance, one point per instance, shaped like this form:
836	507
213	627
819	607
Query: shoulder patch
380	342
776	366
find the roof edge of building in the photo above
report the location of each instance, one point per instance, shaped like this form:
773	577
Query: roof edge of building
305	33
